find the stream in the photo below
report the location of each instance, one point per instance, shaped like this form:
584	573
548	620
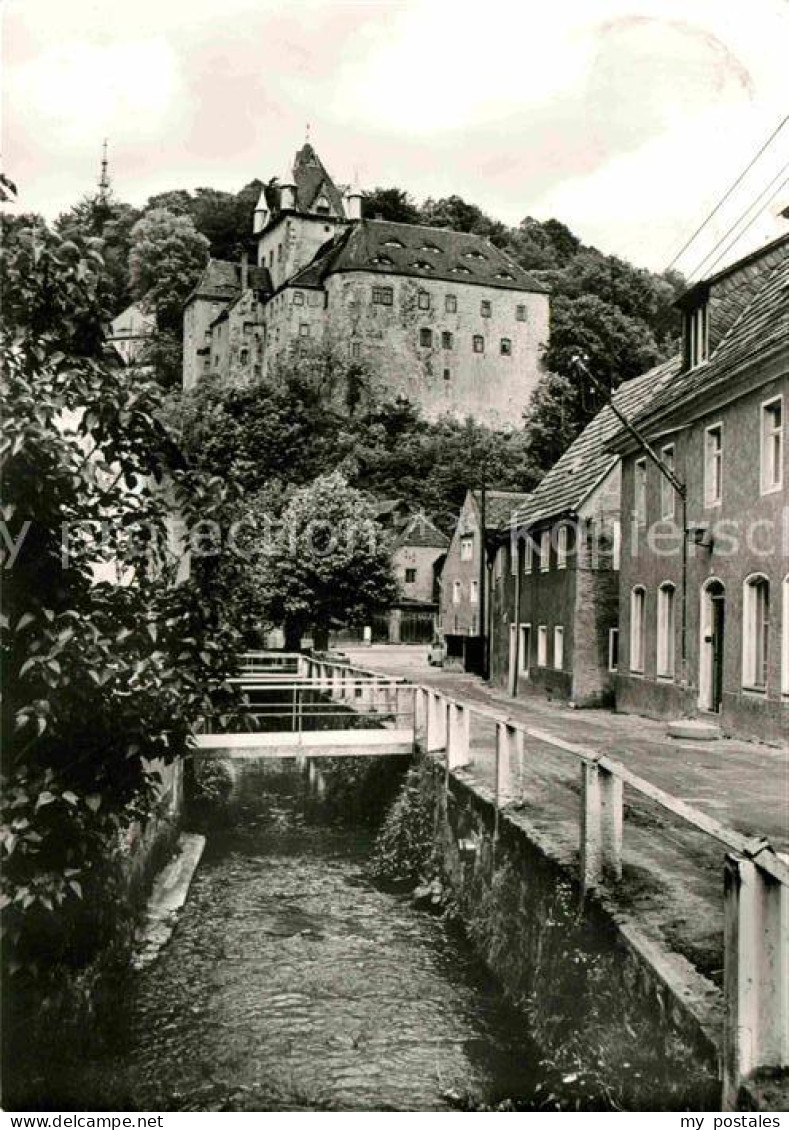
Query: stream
294	982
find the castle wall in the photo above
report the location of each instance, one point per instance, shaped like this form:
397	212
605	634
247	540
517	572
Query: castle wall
443	377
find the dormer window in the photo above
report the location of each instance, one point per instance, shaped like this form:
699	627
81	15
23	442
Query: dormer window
696	335
431	247
322	207
460	270
393	243
505	275
421	265
473	255
382	261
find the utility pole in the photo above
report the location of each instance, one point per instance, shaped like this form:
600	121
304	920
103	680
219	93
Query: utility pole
579	363
483	566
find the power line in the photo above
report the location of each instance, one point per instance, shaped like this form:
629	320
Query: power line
728	192
760	205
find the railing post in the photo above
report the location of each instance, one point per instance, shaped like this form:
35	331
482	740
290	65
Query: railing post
421	707
755	974
458	753
436	722
509	749
601	825
336	683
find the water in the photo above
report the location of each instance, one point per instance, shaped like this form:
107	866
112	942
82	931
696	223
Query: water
294	982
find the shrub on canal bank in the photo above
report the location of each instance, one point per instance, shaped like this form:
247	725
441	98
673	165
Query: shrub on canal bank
406	848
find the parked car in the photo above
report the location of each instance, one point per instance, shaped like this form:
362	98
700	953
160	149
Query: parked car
436	654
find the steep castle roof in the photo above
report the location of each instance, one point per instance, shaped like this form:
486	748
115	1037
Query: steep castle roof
312	181
388	248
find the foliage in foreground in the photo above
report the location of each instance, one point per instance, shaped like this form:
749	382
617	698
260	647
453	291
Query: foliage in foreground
405	849
100	678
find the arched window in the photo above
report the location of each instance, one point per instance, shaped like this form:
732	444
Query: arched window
755	631
666	631
637	623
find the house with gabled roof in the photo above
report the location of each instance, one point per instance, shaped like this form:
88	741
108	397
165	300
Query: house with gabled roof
555	592
440	317
466	575
704	610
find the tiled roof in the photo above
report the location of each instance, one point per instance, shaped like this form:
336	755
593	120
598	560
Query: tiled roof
761	328
420	531
387	248
500	505
587	460
222	279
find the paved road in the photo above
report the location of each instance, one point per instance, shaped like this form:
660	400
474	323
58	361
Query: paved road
673	874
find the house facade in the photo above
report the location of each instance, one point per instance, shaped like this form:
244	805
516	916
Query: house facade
443	318
555	591
710	637
466	575
418	554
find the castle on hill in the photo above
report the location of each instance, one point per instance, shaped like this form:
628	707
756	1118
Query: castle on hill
441	317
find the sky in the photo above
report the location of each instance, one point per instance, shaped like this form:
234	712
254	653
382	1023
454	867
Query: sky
625	119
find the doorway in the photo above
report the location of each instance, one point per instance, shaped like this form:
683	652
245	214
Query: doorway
713	633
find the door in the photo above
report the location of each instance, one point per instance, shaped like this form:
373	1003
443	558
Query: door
718	623
711	656
512	670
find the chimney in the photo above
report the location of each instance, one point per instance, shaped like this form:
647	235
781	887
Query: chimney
244	270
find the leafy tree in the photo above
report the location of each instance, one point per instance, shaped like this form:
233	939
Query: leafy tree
390	204
617	347
224	218
454	212
326	562
111	222
99	679
166	258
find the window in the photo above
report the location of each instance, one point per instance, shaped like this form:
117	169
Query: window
356	349
785	636
304	329
430	247
667	492
520	313
456	592
542	646
410	576
485	308
474	592
637	609
772	446
459	269
561	548
558	648
467	547
244	356
640	490
713	465
279	251
479	343
525	648
248	327
393	243
446	339
528	555
696	335
545	551
447	375
382	261
451	304
423	300
383	295
613	649
421	265
505	275
473	255
755	632
665	631
298	298
506	347
425	337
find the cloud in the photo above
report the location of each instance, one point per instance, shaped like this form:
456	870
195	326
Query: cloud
74	93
